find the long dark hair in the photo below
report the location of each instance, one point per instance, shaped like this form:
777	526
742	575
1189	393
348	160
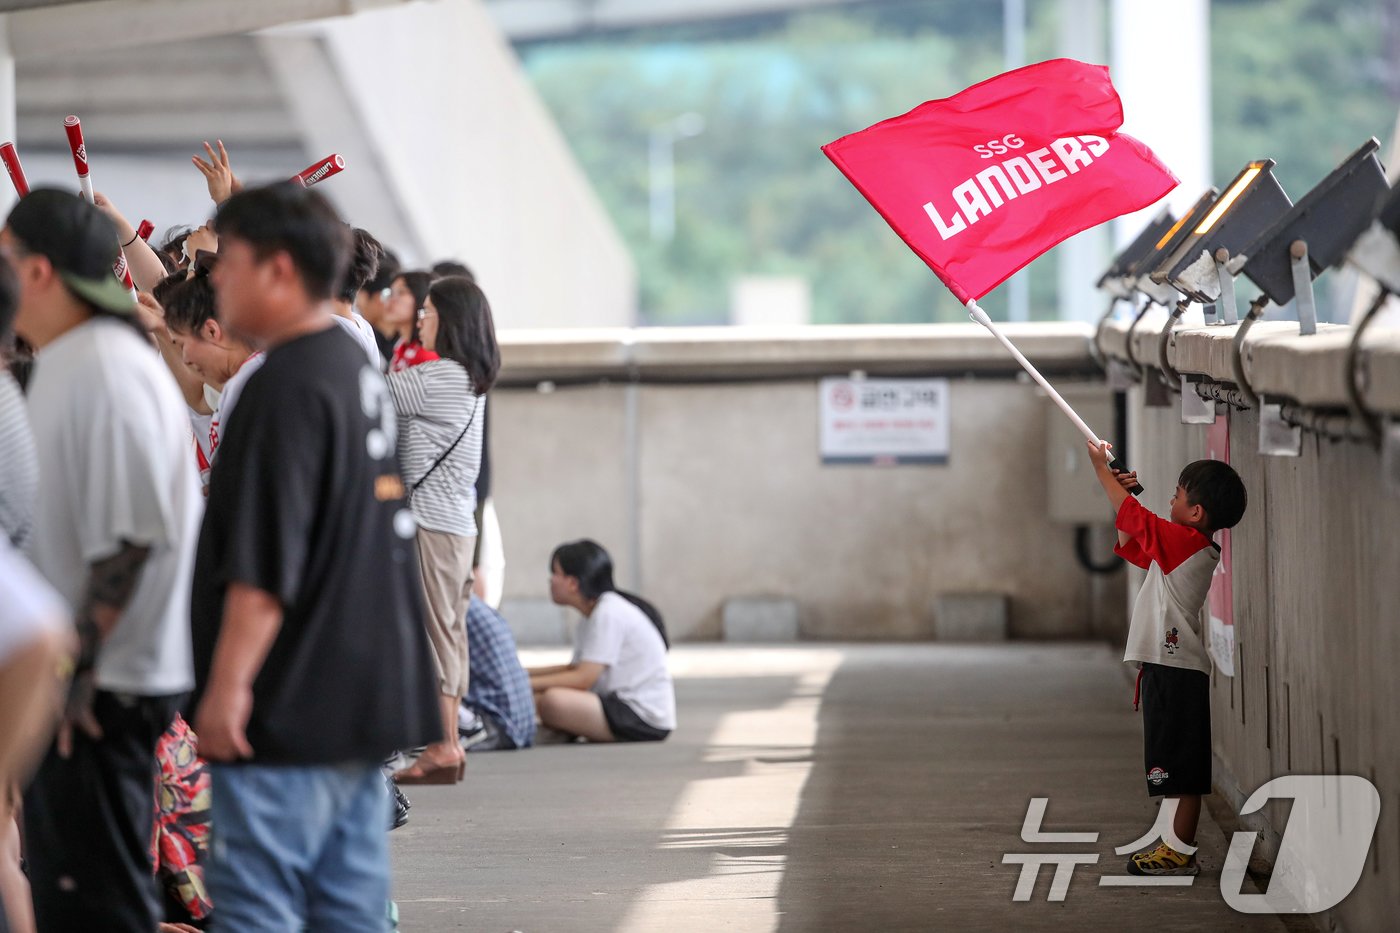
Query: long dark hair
416	282
587	561
466	332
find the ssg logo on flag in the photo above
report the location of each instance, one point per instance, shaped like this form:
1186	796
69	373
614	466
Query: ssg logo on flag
976	224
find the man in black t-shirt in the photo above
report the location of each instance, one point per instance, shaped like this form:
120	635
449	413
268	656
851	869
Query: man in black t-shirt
311	662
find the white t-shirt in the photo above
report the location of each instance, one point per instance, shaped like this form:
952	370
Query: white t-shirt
113	439
1168	624
619	636
229	398
356	326
29	607
201	424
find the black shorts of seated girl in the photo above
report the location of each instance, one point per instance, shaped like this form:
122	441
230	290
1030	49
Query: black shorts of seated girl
617	687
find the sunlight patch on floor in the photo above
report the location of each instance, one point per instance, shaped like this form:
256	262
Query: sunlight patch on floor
743	819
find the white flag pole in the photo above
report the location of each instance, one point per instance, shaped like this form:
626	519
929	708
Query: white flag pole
980	317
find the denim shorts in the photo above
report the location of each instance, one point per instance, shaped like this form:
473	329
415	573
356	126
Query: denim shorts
299	847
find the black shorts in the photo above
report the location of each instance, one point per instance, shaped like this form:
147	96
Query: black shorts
1176	730
626	725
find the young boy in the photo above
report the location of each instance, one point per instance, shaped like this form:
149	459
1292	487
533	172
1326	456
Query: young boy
1165	636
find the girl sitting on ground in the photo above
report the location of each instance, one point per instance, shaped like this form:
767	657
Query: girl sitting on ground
617	687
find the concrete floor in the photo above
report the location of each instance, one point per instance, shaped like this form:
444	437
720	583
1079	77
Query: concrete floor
814	788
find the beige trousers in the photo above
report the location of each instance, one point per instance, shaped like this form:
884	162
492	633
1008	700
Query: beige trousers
445	562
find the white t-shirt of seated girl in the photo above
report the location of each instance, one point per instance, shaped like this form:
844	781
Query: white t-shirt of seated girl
620	637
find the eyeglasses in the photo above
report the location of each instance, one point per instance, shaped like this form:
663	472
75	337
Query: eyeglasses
424	312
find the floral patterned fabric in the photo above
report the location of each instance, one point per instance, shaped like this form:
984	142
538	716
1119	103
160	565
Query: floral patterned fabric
181	839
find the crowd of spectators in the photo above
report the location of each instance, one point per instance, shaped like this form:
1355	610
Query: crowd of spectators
244	591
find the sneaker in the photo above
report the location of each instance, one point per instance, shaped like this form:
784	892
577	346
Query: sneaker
1163	860
405	759
471	730
401	806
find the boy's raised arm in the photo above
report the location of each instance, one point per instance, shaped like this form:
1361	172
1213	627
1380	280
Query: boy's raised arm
1115	484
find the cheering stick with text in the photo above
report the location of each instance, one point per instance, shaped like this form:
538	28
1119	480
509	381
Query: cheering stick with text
74	127
319	171
11	159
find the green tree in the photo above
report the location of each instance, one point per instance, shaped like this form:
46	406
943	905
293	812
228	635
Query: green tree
1300	81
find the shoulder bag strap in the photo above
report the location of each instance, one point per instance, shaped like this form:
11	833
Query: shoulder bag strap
448	452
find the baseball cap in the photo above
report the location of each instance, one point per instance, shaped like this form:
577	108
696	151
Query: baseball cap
80	242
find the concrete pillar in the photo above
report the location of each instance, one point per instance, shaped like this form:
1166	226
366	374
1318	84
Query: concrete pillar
1161	68
1083	257
478	165
330	122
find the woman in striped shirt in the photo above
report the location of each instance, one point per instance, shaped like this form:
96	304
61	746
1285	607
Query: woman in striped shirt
441	406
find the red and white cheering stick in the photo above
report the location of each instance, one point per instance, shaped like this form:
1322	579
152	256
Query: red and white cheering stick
122	271
11	159
145	229
74	128
319	171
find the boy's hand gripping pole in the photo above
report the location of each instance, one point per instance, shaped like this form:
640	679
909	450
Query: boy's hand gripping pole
980	317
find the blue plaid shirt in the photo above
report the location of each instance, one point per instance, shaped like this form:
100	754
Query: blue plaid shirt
499	687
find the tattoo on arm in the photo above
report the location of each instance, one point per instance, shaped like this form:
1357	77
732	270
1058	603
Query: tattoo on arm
111	583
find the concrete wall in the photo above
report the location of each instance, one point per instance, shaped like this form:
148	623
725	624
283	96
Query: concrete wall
1315	596
730	497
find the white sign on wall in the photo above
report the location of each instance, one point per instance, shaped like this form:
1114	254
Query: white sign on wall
884	421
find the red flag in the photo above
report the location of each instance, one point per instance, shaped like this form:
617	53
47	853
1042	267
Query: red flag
981	183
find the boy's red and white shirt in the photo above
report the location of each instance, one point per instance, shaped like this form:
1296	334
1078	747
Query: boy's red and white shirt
1168	621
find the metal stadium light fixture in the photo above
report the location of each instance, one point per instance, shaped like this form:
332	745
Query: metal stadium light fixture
1143	275
1138	278
1377	250
1315	235
1249	206
1115	279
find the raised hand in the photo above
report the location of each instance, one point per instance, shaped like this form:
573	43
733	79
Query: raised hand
217	174
124	229
1100	456
1128	481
